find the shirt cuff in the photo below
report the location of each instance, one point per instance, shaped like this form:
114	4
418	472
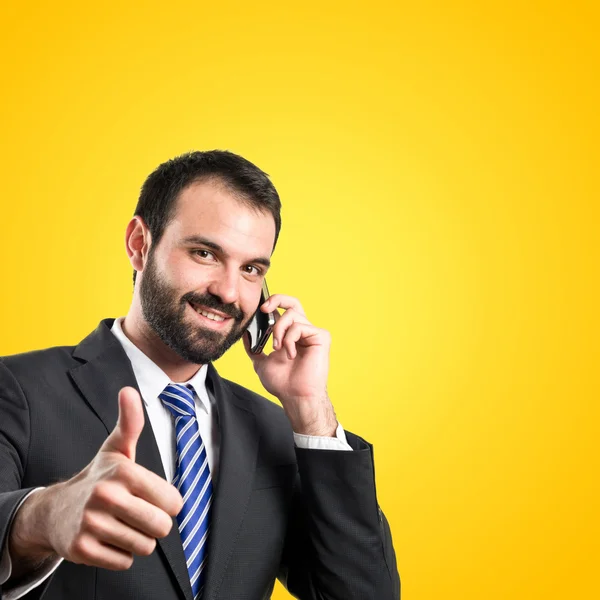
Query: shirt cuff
322	442
33	579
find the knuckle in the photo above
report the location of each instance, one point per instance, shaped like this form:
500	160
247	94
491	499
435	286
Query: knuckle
103	493
80	550
90	521
121	471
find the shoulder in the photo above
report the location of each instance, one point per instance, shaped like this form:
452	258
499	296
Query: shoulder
46	357
37	364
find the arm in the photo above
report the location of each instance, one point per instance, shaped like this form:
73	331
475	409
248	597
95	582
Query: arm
338	545
14	444
102	516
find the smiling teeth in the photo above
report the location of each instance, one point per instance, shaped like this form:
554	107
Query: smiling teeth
212	316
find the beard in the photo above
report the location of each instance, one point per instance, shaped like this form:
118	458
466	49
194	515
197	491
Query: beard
165	314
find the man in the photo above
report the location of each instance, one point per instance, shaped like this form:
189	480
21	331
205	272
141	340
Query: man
130	469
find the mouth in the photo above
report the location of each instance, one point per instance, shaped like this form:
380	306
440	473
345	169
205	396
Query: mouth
210	318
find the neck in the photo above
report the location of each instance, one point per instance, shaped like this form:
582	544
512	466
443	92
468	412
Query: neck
141	334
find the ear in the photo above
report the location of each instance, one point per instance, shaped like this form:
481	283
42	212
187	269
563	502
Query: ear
137	243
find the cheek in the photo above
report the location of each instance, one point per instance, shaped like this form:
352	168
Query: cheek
182	273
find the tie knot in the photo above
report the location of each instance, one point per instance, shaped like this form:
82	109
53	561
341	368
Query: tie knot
179	399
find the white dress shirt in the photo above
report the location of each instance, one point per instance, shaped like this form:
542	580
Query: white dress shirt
152	380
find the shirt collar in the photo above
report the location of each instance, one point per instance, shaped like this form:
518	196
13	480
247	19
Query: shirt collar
151	379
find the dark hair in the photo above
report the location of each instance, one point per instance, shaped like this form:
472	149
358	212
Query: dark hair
162	187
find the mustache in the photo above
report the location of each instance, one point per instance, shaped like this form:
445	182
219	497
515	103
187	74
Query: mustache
212	301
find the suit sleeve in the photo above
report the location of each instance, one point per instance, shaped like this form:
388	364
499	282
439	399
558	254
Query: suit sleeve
14	445
338	545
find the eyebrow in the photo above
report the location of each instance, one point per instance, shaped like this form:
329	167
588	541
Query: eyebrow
202	241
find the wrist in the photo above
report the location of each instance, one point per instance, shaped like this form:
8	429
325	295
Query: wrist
28	542
312	416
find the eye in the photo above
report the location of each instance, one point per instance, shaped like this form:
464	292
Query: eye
204	253
249	269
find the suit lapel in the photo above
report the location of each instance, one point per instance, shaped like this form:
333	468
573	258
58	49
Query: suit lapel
233	485
107	369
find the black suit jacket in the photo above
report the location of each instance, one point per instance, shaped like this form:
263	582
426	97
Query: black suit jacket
309	517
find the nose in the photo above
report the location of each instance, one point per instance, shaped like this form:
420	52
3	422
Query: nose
226	286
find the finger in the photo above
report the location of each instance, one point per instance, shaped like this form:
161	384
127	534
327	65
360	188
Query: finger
90	551
282	301
297	332
110	530
284	323
124	436
154	489
148	486
145	517
133	511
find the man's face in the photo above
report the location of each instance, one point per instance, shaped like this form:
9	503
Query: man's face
201	284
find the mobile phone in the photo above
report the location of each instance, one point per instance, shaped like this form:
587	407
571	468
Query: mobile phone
261	324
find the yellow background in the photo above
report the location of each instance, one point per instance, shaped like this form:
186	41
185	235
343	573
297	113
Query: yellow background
438	167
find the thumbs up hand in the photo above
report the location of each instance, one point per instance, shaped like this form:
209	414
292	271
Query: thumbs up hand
103	516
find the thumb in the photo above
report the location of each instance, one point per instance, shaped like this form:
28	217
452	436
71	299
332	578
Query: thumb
125	435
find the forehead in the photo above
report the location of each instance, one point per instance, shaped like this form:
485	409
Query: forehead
210	210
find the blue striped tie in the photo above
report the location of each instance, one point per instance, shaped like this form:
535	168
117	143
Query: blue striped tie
192	478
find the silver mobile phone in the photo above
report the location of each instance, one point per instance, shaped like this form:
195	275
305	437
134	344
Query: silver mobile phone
261	324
